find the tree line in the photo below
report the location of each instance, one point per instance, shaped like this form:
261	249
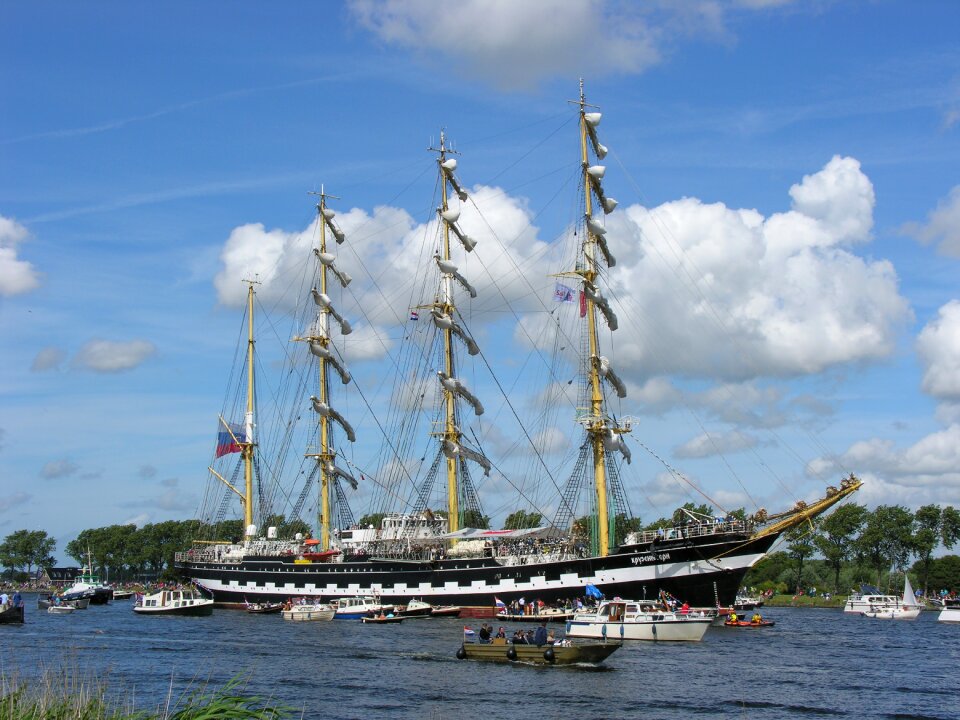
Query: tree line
853	545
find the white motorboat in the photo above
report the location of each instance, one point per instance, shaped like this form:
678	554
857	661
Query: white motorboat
174	602
950	612
892	607
415	609
632	620
302	612
60	609
354	608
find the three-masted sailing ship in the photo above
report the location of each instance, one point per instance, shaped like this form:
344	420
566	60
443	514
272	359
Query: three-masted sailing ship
447	558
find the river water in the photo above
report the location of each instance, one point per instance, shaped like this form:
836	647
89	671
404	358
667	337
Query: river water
812	664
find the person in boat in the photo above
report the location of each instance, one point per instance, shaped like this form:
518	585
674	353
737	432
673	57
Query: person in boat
757	618
540	637
551	638
519	638
484	635
501	633
733	617
17	599
685	609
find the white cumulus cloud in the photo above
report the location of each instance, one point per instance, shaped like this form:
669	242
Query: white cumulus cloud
939	348
108	356
47	359
16	276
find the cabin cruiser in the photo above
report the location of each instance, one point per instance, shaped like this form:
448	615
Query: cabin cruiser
632	620
354	608
174	602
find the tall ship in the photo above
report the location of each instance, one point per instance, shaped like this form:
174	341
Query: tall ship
410	547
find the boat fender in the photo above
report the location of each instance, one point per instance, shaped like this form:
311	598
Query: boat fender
549	655
461	653
511	653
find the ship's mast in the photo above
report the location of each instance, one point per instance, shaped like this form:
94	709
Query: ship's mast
447	307
603	433
248	444
321	346
444	313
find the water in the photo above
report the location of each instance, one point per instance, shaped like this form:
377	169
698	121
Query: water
812	664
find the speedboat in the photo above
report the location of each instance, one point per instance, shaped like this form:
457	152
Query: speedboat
632	620
950	612
174	602
60	609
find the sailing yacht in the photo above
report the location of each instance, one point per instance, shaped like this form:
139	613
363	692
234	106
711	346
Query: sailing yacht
449	557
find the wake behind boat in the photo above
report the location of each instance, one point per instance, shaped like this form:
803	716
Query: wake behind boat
451	557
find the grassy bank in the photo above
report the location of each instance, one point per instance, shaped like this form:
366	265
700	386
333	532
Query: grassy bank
805	601
64	695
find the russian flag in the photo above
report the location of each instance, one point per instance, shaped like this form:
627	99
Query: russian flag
501	605
230	443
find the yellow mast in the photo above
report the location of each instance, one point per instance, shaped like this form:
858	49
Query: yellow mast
597	427
324	458
248	444
446	306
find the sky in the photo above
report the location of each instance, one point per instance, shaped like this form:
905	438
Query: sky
788	231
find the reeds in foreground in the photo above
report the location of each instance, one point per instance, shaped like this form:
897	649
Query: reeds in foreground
63	695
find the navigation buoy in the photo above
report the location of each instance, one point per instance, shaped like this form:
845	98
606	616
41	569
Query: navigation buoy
461	653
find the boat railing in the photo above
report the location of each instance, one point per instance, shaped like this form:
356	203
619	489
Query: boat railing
690	530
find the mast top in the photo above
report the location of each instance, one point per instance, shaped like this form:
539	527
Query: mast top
582	102
443	149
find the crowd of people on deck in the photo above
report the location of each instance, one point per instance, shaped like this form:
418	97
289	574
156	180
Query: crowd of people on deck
539	637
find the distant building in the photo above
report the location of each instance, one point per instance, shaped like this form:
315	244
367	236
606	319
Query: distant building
58	577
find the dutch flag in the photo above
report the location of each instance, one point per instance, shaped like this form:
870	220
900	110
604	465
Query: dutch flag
501	605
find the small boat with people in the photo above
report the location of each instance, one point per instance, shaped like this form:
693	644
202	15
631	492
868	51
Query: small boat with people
547	652
264	608
382	619
756	621
174	602
633	620
446	611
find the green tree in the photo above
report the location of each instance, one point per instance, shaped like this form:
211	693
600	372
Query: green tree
521	519
945	574
23	549
801	547
623	526
475	519
887	538
373	519
949	526
837	535
682	514
929	525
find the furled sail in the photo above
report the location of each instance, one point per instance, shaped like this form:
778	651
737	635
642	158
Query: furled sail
453	450
323	351
458	388
328	216
325	410
600	301
336	471
599	233
323	300
327	260
613	440
449	165
450	218
448	268
607	373
445	322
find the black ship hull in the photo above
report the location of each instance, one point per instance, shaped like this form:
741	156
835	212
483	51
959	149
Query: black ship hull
702	571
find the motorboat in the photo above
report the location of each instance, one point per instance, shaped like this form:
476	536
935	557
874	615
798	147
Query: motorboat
950	612
382	619
354	608
174	602
446	611
562	653
264	608
302	611
631	620
415	609
122	594
60	609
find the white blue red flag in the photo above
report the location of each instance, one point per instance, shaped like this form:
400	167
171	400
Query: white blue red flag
498	602
562	293
229	441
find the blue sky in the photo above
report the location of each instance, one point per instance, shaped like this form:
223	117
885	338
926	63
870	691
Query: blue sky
796	160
